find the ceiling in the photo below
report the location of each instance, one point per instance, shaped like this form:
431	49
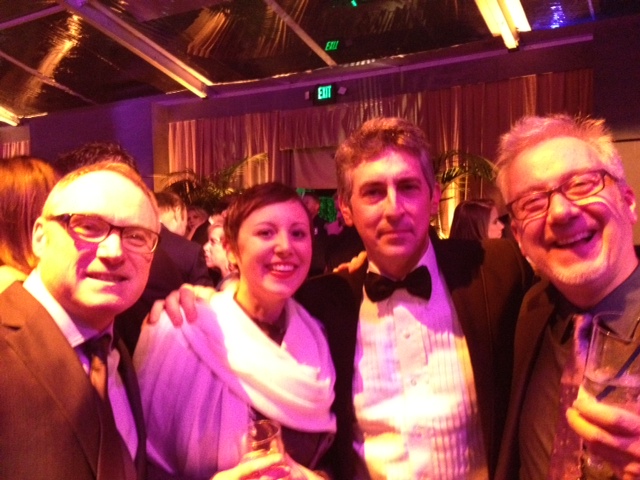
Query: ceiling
62	54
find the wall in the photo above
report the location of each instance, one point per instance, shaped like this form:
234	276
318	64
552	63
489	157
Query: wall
127	123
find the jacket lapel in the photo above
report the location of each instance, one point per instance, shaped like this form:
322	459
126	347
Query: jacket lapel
128	374
40	344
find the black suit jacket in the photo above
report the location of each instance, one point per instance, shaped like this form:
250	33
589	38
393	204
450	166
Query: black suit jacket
50	426
487	282
175	261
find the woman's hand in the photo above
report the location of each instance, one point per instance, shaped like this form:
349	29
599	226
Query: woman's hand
248	467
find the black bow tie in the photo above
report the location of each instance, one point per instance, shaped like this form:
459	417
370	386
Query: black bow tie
417	283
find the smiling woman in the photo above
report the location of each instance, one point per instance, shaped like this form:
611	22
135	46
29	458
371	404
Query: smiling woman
254	352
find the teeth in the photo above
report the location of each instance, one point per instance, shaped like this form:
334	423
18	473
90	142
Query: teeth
279	267
575	238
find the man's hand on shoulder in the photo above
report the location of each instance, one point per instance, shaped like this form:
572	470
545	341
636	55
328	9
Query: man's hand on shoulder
181	301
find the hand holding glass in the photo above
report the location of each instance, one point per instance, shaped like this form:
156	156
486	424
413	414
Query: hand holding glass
612	376
264	438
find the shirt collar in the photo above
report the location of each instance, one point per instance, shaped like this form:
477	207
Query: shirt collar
75	333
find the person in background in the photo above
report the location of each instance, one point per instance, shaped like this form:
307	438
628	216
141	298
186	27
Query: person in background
176	261
197	220
318	262
69	409
173	212
86	155
216	258
572	214
256	354
423	323
343	241
25	183
476	220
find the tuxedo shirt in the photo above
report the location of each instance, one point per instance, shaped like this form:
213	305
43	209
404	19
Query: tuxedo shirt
486	281
409	351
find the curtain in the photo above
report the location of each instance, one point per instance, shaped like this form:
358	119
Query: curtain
12	149
469	118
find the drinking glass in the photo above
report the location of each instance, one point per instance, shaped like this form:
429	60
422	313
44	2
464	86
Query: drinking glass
264	437
612	376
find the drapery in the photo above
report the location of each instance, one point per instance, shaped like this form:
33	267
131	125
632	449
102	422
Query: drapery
469	118
14	148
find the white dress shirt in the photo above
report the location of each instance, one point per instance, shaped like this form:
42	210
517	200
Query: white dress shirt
414	392
76	334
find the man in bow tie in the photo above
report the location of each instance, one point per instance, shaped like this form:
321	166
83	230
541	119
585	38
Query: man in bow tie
423	359
69	403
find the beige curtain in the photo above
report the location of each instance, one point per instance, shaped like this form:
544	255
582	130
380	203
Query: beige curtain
11	149
469	118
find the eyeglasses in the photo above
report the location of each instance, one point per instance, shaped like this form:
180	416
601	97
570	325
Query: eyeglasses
581	185
94	229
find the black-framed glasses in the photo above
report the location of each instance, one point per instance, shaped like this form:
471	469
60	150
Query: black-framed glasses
94	229
579	186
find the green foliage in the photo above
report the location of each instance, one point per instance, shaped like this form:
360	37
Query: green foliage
211	191
469	165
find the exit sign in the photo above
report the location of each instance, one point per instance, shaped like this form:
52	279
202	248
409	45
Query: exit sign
323	94
332	46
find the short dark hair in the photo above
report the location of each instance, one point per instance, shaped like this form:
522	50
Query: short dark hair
168	200
252	199
93	152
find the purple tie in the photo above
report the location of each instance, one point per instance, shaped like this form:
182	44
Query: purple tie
567	445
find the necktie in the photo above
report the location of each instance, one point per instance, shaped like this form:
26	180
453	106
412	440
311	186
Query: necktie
97	351
567	446
417	283
114	460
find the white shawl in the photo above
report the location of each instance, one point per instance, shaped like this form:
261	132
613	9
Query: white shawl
199	381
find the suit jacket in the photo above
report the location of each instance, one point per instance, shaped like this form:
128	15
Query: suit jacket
175	261
487	282
50	425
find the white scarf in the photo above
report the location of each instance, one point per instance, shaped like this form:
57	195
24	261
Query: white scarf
291	383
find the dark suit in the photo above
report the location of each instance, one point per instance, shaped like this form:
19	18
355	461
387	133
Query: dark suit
487	282
175	261
536	311
50	417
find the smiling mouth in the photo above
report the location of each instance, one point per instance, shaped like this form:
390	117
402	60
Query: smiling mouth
106	277
575	240
282	267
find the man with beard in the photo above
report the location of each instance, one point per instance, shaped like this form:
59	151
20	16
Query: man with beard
572	214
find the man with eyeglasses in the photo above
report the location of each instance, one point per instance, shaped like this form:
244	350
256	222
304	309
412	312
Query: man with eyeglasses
572	214
69	401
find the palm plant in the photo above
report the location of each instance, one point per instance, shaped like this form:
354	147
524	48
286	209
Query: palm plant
454	169
209	191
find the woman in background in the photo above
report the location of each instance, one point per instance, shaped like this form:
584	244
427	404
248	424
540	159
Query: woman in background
476	220
25	183
254	353
222	271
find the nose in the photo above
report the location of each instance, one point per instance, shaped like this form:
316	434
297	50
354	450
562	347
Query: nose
561	208
111	247
283	242
391	204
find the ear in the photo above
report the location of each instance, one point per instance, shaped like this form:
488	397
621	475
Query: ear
39	238
517	233
630	200
345	209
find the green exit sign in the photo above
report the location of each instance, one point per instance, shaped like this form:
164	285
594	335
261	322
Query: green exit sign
323	94
332	46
